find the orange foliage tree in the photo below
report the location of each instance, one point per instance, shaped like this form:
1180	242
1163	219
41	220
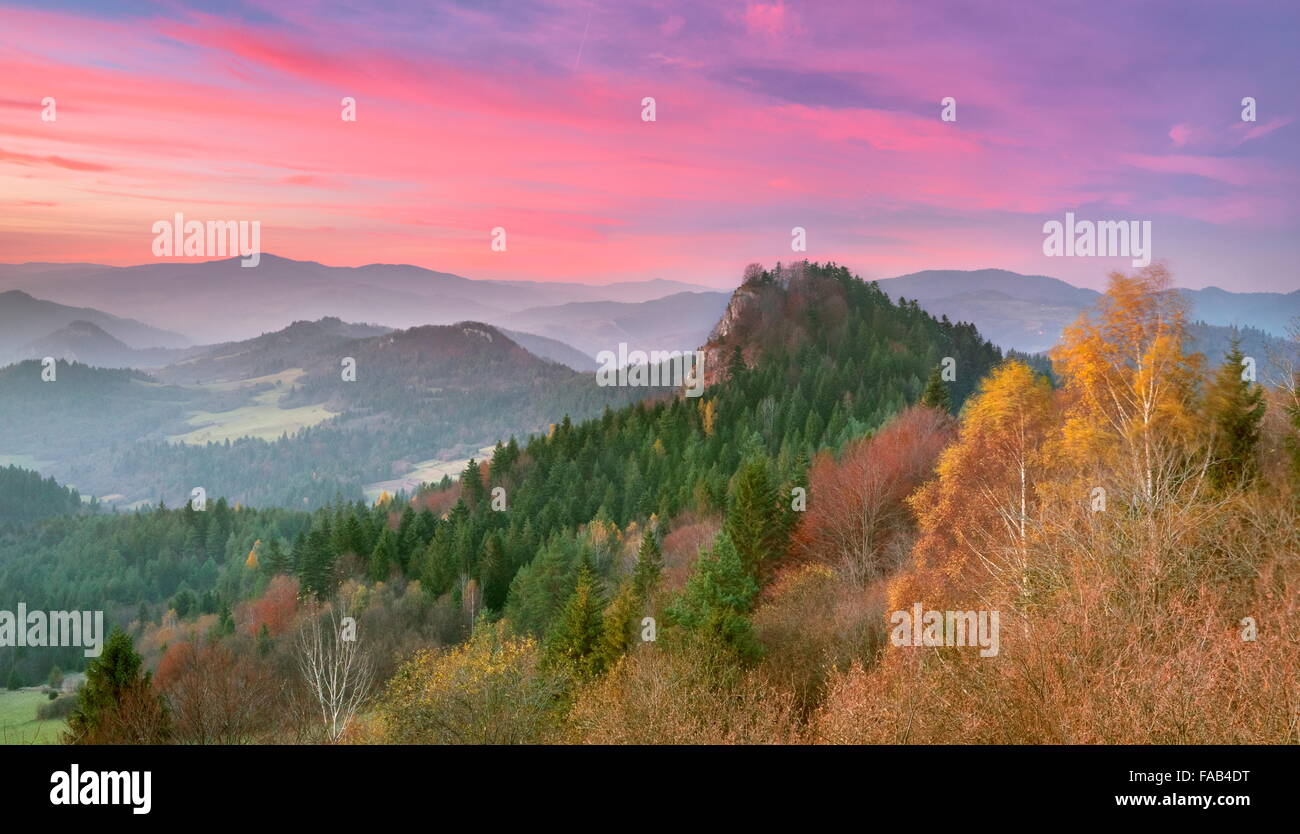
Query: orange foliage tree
276	607
976	517
857	503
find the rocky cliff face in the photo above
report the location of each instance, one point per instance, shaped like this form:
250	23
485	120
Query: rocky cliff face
759	312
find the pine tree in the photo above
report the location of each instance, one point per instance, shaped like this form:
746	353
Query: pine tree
936	392
649	567
407	538
215	545
383	556
351	537
717	599
471	483
736	365
618	628
499	466
440	568
1235	408
577	633
318	563
276	561
113	681
184	603
788	517
752	523
495	568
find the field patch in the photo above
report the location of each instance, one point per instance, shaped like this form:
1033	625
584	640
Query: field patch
262	418
425	472
18	724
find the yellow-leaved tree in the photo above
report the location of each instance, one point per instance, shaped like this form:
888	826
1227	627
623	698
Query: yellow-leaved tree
1131	387
976	517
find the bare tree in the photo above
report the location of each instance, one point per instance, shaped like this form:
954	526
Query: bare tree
217	696
339	675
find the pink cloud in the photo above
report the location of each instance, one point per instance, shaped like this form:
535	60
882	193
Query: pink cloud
767	19
204	114
57	161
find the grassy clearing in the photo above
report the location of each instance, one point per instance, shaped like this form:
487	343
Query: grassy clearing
18	724
425	472
263	418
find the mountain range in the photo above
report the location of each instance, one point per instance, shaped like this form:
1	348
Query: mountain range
425	393
218	301
1028	312
275	419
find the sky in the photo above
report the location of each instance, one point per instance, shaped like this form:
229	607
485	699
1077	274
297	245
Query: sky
528	116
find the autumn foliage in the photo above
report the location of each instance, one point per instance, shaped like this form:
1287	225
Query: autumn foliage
857	509
1140	601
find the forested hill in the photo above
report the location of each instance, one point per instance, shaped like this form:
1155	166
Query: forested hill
274	421
813	358
807	357
26	496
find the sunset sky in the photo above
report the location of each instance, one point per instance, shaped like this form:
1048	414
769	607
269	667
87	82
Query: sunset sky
527	115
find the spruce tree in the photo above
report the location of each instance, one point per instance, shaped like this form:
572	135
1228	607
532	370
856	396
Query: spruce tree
276	561
577	632
318	563
936	392
495	569
112	680
1235	408
649	566
618	628
752	524
407	538
383	556
717	599
471	484
736	365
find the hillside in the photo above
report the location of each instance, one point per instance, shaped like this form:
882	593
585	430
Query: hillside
272	420
24	319
762	533
88	344
270	353
828	359
553	349
681	321
26	496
